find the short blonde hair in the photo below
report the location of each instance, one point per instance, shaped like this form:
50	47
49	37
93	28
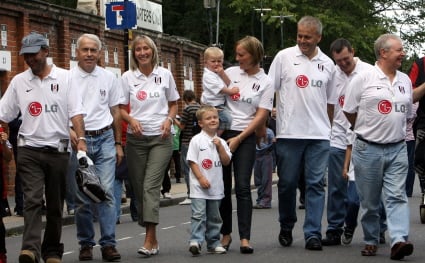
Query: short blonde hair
213	52
204	108
134	64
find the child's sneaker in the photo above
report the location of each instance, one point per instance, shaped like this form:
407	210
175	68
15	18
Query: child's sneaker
347	236
195	249
217	250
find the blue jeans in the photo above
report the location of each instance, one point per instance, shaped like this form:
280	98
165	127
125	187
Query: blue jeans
225	118
382	169
290	153
101	149
205	222
353	207
410	180
263	178
337	191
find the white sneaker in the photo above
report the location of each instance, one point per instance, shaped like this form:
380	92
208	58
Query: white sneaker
186	201
167	195
217	250
195	249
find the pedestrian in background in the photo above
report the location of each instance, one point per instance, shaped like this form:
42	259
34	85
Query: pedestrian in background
151	93
44	97
187	128
6	154
263	174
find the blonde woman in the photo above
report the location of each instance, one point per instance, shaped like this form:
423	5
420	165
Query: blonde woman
151	92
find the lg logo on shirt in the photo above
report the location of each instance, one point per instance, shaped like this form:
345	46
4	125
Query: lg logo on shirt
35	108
207	164
302	82
385	107
142	95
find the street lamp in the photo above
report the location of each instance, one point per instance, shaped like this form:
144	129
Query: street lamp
282	18
261	19
210	4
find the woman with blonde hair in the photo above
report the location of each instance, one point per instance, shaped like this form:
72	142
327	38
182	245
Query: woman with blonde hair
151	92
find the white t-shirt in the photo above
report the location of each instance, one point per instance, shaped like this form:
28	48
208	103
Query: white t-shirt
304	89
381	106
203	152
255	91
46	106
341	125
212	84
100	90
148	97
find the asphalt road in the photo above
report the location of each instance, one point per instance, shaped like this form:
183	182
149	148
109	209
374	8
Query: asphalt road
174	228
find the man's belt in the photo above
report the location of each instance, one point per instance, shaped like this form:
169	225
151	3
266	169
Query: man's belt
98	132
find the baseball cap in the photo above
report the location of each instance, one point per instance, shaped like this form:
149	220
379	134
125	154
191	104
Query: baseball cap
32	43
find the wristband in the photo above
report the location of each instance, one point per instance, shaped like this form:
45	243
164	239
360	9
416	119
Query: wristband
118	143
81	139
170	119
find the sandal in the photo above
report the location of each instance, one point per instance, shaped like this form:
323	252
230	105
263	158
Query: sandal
369	250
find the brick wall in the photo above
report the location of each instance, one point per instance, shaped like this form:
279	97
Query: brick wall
63	26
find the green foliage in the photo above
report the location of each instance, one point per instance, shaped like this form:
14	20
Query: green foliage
360	21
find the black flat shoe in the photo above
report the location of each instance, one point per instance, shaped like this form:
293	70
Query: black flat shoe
226	247
247	250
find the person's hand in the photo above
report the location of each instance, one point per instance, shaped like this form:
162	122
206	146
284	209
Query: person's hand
3	137
166	129
234	90
120	153
136	127
203	181
345	173
234	143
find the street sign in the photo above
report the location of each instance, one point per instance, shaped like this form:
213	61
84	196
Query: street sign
120	15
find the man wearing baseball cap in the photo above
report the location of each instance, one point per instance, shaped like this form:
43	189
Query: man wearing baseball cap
43	95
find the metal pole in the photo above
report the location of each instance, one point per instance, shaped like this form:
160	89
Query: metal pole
218	23
281	32
261	21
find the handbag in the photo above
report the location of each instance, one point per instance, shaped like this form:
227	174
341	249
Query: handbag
88	182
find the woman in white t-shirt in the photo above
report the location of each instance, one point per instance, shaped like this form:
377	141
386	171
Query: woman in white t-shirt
151	92
249	110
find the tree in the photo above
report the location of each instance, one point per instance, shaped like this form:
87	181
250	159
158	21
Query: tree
360	21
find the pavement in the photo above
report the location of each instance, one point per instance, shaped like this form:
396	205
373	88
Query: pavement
15	224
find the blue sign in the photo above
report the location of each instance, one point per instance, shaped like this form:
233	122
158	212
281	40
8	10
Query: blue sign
121	15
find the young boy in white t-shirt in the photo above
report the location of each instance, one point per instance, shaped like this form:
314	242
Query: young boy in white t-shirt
206	154
215	86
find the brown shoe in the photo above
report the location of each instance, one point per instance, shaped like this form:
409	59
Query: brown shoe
369	250
401	249
26	256
53	260
110	253
86	253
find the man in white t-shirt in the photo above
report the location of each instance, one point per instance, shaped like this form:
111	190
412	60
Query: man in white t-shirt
348	66
377	104
102	93
302	77
43	95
